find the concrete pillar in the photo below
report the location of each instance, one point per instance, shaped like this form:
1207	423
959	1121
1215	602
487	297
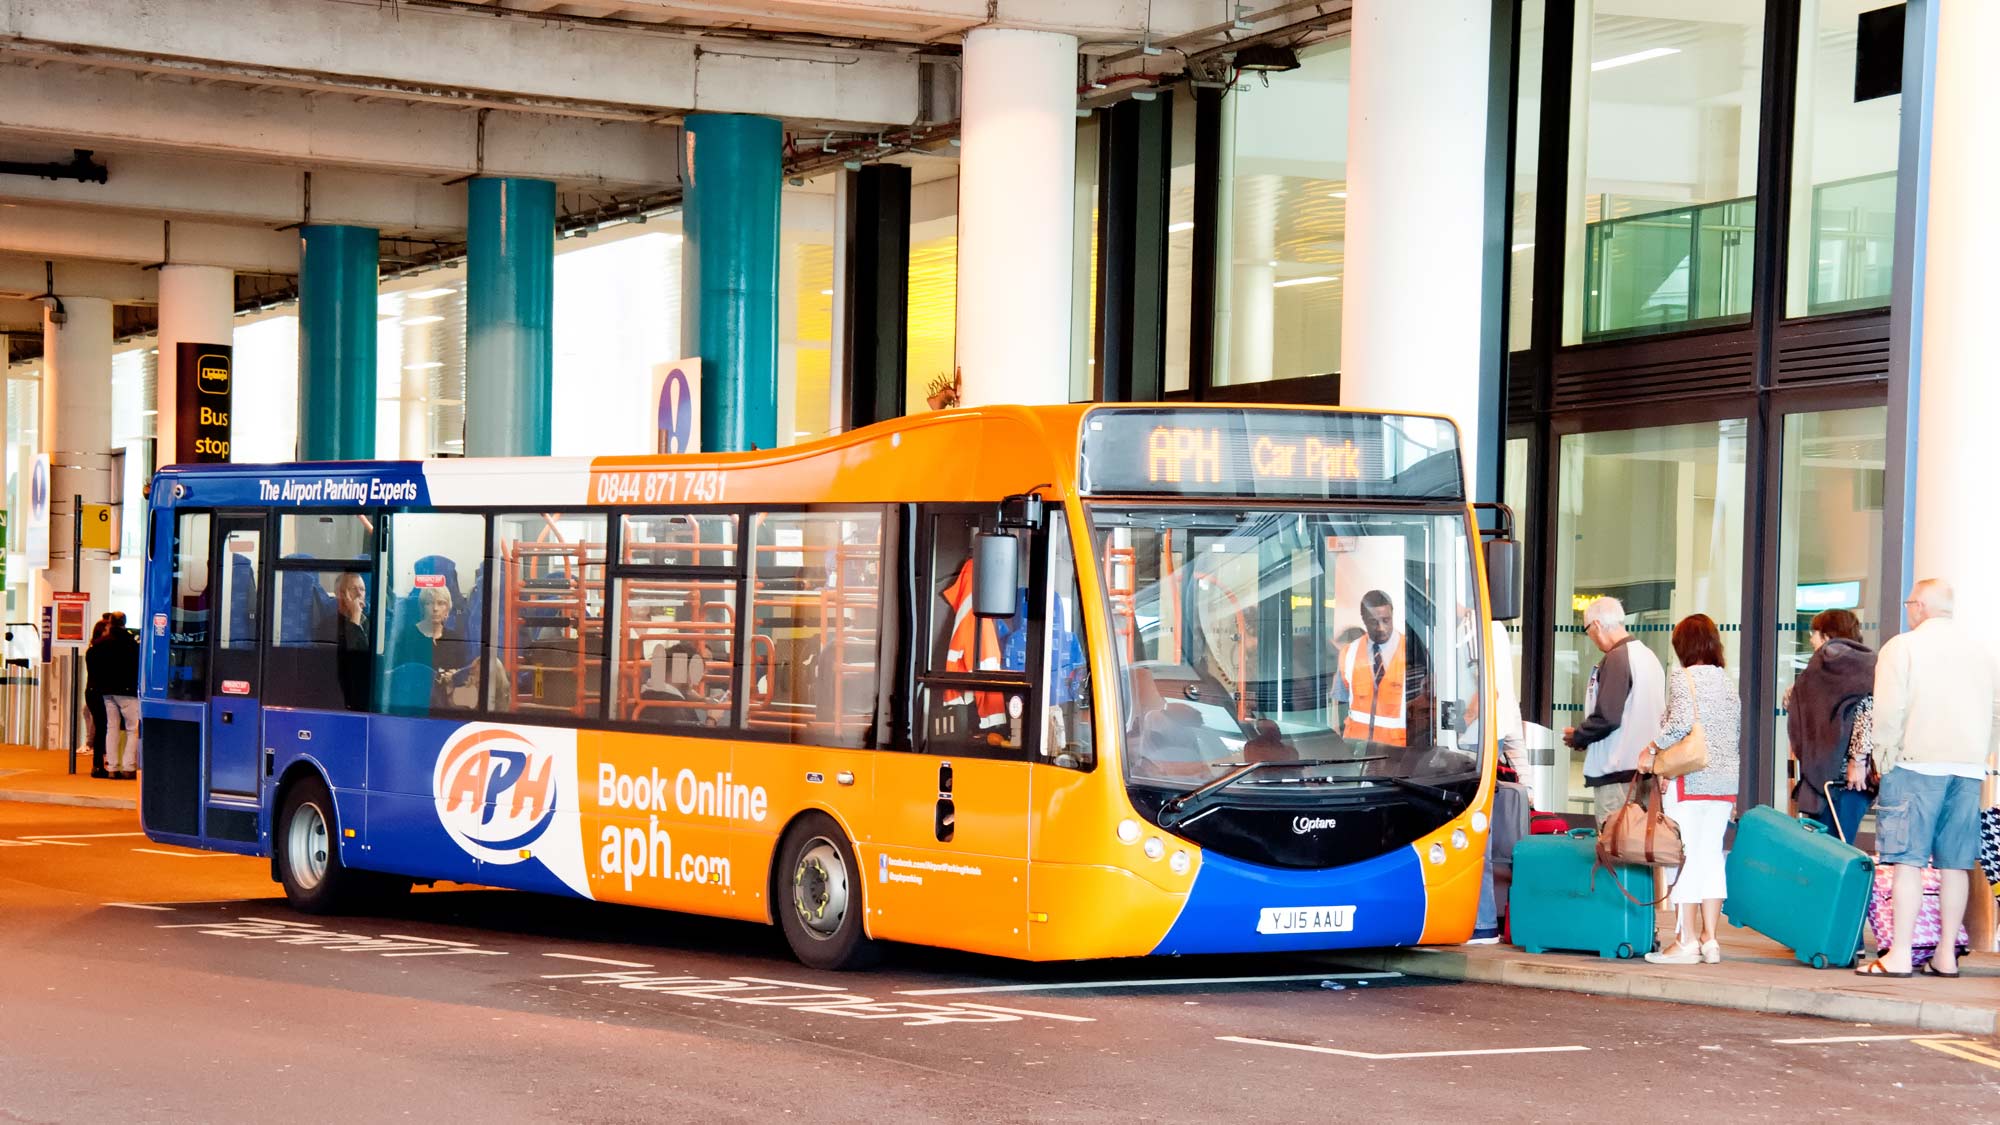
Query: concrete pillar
729	274
1416	183
76	432
510	262
1017	163
197	306
338	266
1957	396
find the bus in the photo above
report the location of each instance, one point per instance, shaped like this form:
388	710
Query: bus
1039	682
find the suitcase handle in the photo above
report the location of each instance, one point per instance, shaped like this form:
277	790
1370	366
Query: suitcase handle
1582	833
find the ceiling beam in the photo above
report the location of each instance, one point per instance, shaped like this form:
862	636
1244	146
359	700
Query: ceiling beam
56	232
22	277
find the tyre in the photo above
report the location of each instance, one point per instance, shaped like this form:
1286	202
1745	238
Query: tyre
308	858
817	895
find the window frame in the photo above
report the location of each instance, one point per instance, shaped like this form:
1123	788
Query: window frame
370	568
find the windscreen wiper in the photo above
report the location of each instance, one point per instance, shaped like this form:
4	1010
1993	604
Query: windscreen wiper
1178	809
1448	798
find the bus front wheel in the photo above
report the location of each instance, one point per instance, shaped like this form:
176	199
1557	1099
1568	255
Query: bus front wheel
819	897
306	840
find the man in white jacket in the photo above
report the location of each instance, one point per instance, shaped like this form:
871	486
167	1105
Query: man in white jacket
1935	728
1623	708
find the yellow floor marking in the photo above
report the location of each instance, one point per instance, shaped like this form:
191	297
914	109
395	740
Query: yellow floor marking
1985	1054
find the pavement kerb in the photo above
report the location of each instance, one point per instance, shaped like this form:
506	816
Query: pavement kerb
1525	971
78	800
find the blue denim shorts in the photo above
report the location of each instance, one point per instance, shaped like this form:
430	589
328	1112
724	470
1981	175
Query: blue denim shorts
1923	820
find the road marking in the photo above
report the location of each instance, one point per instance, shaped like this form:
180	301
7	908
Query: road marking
1398	1055
1981	1053
599	960
1024	1012
1062	985
1860	1039
140	906
183	855
85	836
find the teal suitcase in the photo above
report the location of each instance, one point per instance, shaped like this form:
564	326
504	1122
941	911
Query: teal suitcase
1799	885
1562	900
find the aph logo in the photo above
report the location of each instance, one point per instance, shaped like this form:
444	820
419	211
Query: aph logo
498	791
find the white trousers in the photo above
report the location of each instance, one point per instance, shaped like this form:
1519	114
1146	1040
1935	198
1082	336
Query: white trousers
121	733
1703	825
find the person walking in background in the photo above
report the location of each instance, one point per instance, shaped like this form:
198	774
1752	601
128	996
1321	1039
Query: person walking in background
1826	701
1935	722
1623	707
93	694
1701	691
121	701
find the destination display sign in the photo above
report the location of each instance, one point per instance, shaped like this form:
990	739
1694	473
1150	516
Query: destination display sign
1280	454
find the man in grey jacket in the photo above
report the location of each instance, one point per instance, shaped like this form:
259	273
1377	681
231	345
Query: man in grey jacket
1627	697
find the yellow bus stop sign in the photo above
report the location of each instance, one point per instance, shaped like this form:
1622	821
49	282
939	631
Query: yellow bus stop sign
100	531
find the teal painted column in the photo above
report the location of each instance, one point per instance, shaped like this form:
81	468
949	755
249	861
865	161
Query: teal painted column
729	275
510	263
337	273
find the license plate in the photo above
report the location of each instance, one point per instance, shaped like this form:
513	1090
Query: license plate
1305	920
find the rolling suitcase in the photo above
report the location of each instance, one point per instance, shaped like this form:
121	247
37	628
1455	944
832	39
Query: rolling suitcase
1798	885
1561	899
1511	812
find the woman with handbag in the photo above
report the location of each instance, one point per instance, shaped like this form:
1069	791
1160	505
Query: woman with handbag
1695	757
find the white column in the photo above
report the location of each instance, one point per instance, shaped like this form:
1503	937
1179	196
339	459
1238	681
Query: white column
1958	397
76	431
1017	164
197	306
1416	182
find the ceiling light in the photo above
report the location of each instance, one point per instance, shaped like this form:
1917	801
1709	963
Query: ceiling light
1267	57
1520	246
1635	57
826	292
427	294
1338	194
431	366
416	320
1179	227
1313	280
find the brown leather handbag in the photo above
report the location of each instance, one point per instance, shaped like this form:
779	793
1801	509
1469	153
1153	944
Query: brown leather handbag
1642	834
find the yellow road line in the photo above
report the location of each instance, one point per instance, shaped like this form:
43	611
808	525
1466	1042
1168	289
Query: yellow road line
1985	1054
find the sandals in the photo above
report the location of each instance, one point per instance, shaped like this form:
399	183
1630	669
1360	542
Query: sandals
1930	969
1874	969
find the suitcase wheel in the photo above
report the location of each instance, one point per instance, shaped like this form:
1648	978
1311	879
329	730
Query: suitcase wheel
1818	961
1625	951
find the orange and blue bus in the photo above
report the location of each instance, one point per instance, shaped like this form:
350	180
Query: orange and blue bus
1046	683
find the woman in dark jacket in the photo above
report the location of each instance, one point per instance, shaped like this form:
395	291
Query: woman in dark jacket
93	695
1836	686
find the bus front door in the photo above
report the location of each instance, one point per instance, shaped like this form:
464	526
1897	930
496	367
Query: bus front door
234	717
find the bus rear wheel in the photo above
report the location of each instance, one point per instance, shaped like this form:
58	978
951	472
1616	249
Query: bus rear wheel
819	897
308	852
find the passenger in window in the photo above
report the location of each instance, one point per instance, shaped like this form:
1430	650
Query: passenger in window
426	660
677	675
354	657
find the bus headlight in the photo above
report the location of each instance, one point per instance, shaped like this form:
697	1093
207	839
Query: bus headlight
1479	822
1458	838
1154	848
1128	831
1437	853
1179	863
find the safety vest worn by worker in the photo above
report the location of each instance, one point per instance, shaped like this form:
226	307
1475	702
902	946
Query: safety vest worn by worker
975	646
1376	704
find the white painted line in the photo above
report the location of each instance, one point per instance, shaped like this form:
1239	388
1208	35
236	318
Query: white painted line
182	855
598	960
1861	1039
1139	983
140	906
1399	1055
1023	1012
85	836
432	940
32	842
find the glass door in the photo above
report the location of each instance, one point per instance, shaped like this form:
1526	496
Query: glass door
1652	517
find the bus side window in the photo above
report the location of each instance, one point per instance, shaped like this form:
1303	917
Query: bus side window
815	626
187	644
674	663
429	657
548	613
1070	739
963	643
322	651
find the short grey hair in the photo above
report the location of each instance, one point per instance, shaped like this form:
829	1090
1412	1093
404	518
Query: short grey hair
1936	595
1604	611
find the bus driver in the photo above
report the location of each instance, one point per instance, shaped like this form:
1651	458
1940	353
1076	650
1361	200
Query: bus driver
1383	678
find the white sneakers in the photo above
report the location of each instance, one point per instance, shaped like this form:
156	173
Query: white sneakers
1708	952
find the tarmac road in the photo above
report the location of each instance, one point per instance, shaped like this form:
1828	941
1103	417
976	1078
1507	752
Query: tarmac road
143	983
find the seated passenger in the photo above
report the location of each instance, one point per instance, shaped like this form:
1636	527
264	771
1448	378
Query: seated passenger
354	656
678	673
425	653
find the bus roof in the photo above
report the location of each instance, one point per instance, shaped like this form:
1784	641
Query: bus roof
967	455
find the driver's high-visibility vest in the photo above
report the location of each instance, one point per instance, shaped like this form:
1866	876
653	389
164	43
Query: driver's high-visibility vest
974	646
1376	709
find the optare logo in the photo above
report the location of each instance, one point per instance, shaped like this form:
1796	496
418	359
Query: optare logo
1301	825
498	791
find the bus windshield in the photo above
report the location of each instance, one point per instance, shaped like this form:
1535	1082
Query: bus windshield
1344	645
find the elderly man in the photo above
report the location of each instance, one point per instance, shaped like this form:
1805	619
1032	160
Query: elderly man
1627	698
1935	723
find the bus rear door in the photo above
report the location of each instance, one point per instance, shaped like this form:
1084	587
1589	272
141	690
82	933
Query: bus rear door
234	718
